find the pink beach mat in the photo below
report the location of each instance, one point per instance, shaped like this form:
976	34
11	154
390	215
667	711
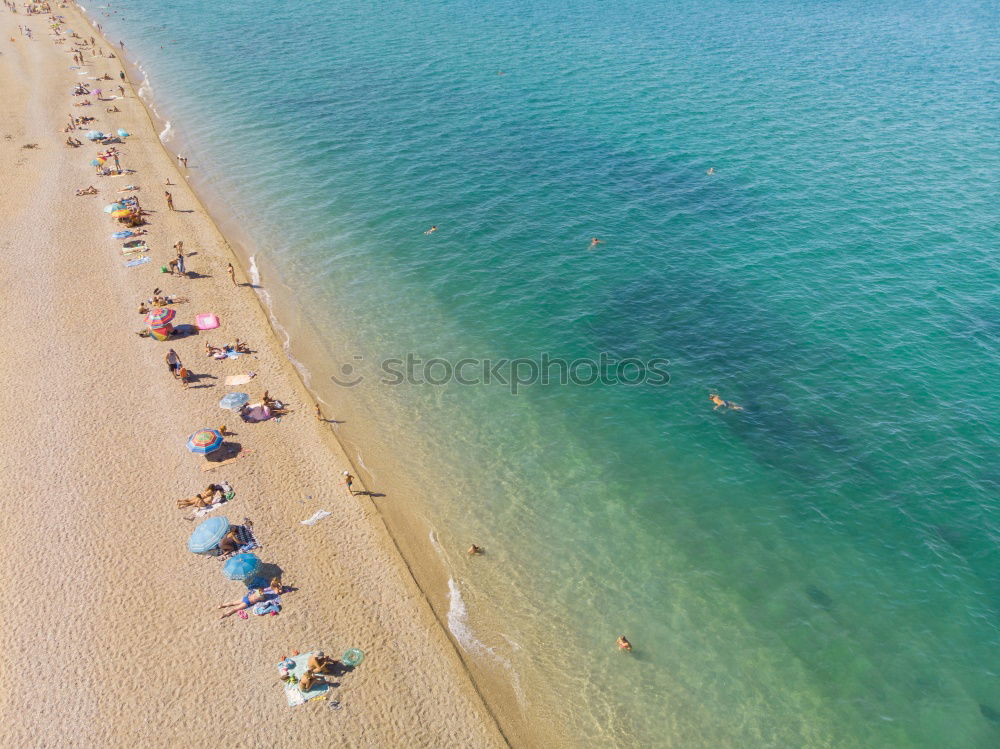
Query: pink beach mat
206	321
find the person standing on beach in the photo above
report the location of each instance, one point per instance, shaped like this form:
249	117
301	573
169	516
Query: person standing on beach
232	273
319	413
173	362
180	262
121	74
170	200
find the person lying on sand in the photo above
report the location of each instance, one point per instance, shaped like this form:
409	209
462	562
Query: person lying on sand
241	346
74	142
91	190
720	403
246	602
202	499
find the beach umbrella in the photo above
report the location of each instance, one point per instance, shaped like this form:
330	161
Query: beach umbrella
122	133
96	162
121	213
160	316
112	207
241	566
161	334
204	441
208	534
94	135
234	401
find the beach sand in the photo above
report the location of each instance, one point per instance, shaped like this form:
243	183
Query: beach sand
110	632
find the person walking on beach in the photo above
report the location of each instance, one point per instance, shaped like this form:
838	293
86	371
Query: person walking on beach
319	413
121	74
170	200
173	362
349	480
232	273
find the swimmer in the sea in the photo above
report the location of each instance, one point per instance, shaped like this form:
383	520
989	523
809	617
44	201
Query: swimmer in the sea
431	230
473	550
594	241
711	171
720	403
624	644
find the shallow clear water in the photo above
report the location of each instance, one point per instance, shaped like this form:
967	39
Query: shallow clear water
819	569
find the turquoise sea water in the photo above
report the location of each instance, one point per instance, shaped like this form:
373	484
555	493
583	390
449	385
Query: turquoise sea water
821	569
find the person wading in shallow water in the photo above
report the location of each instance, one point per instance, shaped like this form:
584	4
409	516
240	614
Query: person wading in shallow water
624	644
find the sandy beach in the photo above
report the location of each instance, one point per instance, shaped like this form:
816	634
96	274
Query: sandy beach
111	635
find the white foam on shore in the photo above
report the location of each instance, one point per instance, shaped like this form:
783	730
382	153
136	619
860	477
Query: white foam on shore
458	621
286	338
166	132
458	625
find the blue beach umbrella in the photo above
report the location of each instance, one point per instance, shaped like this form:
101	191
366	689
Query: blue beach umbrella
114	207
208	534
94	135
234	401
205	441
241	566
123	133
95	162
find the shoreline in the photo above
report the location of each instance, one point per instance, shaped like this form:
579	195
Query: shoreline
285	370
408	530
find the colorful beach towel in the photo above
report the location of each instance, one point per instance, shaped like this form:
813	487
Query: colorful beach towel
296	696
137	261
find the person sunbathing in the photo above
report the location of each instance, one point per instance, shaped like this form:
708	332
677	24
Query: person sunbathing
320	663
71	141
246	602
230	543
241	346
202	499
309	680
214	351
87	191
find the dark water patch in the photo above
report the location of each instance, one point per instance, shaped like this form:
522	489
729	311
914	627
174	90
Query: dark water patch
819	598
